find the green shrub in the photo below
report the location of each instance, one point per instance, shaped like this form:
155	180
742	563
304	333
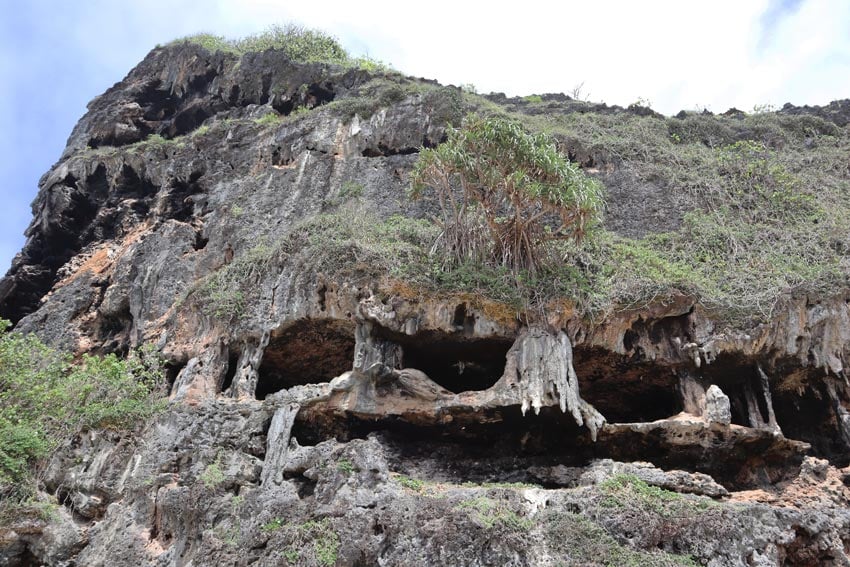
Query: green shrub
504	193
300	44
270	119
46	398
576	540
212	476
413	484
345	466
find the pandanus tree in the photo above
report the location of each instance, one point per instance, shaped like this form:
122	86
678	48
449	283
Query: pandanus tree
504	193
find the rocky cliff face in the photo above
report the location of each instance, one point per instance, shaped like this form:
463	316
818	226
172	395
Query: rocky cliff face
324	412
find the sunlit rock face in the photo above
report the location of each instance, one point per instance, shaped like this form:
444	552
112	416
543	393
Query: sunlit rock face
332	417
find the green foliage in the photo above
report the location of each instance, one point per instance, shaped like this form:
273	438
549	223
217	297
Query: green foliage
576	540
313	542
45	399
491	513
413	484
212	476
371	65
504	193
201	130
269	119
351	190
157	140
300	44
273	525
223	294
345	466
533	99
629	495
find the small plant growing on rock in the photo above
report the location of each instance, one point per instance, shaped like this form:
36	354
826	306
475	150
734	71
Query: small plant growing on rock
212	475
345	466
413	484
273	525
490	513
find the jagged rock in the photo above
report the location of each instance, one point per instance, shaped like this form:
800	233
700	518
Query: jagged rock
598	471
717	408
321	406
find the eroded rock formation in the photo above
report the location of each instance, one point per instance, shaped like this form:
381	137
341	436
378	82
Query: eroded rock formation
331	418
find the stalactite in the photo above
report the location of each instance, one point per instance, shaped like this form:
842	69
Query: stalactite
544	363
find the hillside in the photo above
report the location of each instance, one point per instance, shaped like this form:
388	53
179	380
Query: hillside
668	390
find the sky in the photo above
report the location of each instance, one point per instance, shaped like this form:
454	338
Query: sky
56	55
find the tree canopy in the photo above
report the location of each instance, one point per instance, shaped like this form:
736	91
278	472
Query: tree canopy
504	193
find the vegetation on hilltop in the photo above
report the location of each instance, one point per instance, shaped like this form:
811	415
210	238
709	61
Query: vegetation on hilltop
300	44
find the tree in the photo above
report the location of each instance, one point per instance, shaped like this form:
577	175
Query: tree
504	193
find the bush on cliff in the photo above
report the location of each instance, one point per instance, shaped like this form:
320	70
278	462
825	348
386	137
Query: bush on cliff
46	398
505	193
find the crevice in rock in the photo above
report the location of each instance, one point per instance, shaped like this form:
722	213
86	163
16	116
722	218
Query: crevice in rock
308	351
179	204
455	362
232	367
172	370
626	389
384	151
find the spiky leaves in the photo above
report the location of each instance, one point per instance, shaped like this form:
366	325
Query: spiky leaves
504	193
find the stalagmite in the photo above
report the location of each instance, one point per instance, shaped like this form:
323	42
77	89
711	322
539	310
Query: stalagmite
764	383
370	350
277	443
247	373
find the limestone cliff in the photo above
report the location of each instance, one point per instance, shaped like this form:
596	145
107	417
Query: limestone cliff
328	410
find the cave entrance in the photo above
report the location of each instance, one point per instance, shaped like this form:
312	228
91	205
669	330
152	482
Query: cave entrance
739	379
626	389
308	351
457	363
806	411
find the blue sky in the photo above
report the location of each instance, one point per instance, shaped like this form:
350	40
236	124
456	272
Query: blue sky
56	55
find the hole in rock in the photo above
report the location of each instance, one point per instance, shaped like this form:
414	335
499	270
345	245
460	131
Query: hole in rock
626	389
172	370
456	363
737	376
502	445
306	352
805	411
179	204
232	367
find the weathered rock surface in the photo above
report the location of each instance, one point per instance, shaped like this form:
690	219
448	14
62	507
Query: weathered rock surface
334	420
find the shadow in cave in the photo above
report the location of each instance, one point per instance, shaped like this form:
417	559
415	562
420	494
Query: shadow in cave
626	389
502	445
308	351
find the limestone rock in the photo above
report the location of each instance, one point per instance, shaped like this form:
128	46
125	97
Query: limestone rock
717	408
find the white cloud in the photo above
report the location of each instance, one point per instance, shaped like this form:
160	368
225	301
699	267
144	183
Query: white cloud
676	54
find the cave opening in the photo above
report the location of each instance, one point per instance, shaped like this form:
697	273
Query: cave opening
626	389
456	362
806	411
502	445
232	367
307	351
739	379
